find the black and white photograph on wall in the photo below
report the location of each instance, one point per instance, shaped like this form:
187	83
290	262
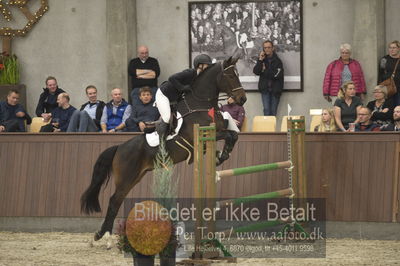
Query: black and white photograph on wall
222	29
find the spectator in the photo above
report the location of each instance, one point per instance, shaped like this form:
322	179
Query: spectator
176	85
270	69
143	112
381	107
48	99
60	116
395	126
327	123
12	114
144	71
364	121
87	119
387	66
235	110
342	70
346	106
115	113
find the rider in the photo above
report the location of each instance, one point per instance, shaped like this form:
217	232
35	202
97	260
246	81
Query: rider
177	84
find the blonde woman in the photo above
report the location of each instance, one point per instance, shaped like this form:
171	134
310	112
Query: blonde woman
346	106
381	107
327	123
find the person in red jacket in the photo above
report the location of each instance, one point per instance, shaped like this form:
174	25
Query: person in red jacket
342	70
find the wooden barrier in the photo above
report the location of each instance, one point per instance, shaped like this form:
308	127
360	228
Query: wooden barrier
43	175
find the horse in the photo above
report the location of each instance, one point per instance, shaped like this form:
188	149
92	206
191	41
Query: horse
129	162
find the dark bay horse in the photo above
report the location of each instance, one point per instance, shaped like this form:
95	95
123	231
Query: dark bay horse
130	161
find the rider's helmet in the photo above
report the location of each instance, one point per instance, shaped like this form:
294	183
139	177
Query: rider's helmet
201	59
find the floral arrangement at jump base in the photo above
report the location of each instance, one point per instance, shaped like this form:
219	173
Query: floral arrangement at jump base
9	69
149	231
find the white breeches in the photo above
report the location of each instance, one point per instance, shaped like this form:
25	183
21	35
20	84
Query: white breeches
163	106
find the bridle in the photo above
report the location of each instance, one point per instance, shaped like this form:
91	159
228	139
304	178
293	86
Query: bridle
224	74
229	81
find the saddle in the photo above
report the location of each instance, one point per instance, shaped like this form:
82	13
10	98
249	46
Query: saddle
173	122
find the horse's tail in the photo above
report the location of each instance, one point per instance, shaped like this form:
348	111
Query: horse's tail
101	174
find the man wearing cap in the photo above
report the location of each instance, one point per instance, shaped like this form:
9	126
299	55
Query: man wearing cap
177	84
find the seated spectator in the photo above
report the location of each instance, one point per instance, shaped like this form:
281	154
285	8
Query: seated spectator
364	121
346	106
327	123
115	113
48	99
342	70
395	126
87	119
12	114
381	107
235	110
143	112
60	116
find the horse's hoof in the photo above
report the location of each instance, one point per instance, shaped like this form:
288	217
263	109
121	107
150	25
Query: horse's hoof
97	236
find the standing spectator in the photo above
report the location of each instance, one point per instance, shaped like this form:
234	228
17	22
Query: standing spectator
235	110
60	116
342	70
143	112
381	107
87	119
270	69
115	113
144	71
395	126
364	121
387	66
327	123
12	114
346	106
48	99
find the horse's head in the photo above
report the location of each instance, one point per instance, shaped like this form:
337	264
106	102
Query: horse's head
228	81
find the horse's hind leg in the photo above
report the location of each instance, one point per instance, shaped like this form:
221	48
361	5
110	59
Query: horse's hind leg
126	179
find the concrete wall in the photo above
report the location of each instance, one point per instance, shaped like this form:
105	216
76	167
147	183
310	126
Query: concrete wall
91	41
69	42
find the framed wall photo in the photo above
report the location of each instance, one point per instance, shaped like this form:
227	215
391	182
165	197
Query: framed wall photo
223	29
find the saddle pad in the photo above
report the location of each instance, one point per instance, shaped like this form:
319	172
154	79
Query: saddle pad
154	140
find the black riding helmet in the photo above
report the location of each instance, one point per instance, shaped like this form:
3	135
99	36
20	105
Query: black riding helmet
201	59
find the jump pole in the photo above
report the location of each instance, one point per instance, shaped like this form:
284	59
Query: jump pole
253	169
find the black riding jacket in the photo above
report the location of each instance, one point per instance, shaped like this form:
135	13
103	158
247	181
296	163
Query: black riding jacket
178	83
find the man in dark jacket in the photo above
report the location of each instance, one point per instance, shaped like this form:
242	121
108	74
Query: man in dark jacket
48	99
60	116
12	114
144	71
270	69
395	126
87	119
365	123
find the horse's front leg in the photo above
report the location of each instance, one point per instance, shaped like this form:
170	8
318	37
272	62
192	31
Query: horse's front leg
230	137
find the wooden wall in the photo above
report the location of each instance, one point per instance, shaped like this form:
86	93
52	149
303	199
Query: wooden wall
45	174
